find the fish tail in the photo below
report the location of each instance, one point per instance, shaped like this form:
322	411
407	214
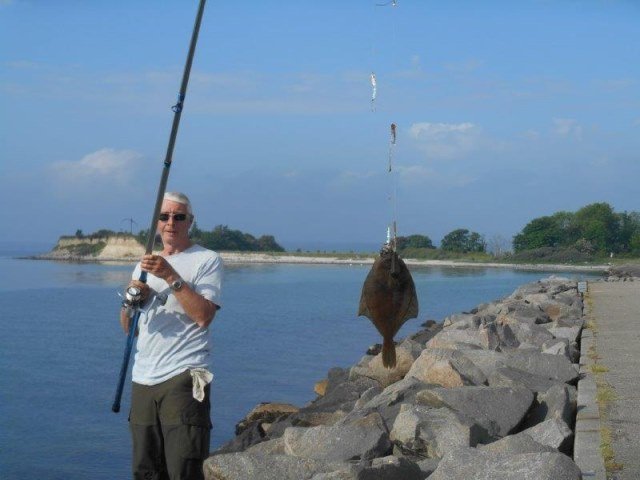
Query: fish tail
388	353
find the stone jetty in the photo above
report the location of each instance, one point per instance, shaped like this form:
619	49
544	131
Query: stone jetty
486	394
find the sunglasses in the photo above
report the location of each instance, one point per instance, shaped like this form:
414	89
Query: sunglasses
177	217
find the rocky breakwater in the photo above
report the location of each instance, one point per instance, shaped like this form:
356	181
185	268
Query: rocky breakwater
623	273
488	394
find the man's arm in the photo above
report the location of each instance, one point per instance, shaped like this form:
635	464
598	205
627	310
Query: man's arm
197	308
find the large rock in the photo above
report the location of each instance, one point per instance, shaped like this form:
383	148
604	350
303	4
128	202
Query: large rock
483	336
252	435
570	333
560	401
513	377
552	366
488	361
371	367
556	307
391	468
497	409
265	413
363	439
388	402
431	432
235	466
518	311
462	320
448	368
472	464
340	396
531	334
554	433
516	444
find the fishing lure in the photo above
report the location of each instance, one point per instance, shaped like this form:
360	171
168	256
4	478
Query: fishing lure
374	90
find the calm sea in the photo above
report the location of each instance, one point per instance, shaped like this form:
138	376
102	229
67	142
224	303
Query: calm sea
281	329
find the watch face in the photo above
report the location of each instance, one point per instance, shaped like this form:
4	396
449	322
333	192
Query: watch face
177	285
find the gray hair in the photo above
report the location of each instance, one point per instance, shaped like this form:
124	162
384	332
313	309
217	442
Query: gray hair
179	197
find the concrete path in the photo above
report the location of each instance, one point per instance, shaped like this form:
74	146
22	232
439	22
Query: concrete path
615	308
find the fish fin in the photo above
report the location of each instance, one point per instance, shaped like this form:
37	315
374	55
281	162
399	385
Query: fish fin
388	353
412	307
363	309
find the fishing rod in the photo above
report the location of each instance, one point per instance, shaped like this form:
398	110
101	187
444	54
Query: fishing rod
133	295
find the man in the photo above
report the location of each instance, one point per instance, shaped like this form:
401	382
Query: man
170	404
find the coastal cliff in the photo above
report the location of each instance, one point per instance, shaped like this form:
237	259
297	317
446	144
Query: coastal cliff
120	248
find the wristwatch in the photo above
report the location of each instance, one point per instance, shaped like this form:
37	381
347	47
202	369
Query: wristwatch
176	285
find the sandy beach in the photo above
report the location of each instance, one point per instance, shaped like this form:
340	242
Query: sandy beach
249	258
233	258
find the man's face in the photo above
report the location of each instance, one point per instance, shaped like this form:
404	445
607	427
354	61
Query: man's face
173	230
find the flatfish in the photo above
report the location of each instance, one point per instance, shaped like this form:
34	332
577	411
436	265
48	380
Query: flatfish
388	299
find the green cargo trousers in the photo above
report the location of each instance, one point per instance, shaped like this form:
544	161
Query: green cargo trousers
170	430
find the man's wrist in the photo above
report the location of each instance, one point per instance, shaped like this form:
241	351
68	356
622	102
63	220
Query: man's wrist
175	283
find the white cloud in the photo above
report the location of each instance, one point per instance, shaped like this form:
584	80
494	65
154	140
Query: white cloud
446	140
531	134
105	165
567	128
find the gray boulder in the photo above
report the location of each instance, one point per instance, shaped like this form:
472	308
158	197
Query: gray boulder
499	410
268	447
560	401
341	396
463	320
265	413
372	367
518	311
541	364
486	360
531	334
234	466
472	464
388	402
431	432
391	468
363	439
513	377
483	336
516	444
554	433
449	368
570	333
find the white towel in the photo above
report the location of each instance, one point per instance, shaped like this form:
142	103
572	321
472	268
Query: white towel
201	378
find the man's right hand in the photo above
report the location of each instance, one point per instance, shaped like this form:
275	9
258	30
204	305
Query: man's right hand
144	289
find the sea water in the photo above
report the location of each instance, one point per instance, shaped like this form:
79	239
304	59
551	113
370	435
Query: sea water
282	327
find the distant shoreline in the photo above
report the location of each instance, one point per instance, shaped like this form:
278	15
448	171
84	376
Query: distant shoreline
250	258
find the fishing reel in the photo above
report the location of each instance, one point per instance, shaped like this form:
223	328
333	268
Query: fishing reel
132	299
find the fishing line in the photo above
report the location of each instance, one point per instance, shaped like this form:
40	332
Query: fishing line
392	195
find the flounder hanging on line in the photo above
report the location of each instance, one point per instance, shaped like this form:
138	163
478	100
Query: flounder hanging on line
388	299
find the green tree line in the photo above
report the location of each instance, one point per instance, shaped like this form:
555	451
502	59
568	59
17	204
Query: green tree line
594	230
224	238
460	240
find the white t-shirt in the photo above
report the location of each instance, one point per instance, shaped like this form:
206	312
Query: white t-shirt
169	342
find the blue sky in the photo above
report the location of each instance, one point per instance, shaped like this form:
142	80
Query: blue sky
506	111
